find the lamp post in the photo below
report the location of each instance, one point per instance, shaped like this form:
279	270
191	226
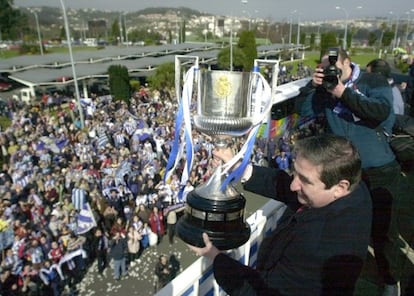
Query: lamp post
395	42
244	2
407	32
39	37
250	18
298	36
205	31
75	79
344	42
290	26
231	44
121	29
126	28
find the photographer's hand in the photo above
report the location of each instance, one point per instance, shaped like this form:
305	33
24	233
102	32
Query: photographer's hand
317	77
338	90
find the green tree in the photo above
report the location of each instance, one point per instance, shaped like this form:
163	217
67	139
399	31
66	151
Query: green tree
62	34
328	40
119	82
149	36
372	38
239	59
312	40
12	21
247	44
164	76
115	32
182	32
302	39
349	36
387	38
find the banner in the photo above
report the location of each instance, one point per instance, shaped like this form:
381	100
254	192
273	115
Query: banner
86	220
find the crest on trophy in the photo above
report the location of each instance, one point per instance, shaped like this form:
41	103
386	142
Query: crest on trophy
228	104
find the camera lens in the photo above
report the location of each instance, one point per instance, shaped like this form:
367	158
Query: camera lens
330	80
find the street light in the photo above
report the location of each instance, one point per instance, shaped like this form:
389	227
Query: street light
244	2
75	79
408	25
250	17
298	36
344	43
123	28
39	37
395	43
205	30
290	26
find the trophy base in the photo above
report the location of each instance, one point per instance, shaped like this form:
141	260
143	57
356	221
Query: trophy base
223	221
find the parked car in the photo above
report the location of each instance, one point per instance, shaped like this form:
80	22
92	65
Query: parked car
5	86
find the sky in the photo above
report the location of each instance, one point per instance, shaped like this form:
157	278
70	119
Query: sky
269	9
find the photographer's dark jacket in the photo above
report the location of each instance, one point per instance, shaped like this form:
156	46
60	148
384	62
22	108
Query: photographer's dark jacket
364	114
311	252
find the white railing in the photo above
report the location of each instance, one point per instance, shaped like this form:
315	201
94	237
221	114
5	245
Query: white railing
198	278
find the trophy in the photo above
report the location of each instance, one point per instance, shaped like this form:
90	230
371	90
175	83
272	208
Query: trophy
228	104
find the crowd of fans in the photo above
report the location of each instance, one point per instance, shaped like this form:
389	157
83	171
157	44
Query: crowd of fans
52	167
114	162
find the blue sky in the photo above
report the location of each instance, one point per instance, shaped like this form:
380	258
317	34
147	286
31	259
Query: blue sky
269	9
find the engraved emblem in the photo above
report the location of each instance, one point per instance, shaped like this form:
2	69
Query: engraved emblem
222	87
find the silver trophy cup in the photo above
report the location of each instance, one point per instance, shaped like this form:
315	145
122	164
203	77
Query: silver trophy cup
224	111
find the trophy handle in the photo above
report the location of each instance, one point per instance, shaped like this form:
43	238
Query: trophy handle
180	62
262	97
274	71
260	106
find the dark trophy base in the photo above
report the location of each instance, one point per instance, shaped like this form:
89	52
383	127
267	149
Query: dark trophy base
222	220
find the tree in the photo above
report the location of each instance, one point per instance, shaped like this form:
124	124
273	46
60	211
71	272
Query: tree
349	36
372	38
328	40
149	36
387	38
119	82
223	58
182	32
115	32
164	76
12	21
302	38
247	44
312	40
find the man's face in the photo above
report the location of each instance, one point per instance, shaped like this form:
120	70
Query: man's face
306	183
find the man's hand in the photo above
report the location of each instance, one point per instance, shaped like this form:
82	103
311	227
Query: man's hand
338	90
317	77
209	251
222	155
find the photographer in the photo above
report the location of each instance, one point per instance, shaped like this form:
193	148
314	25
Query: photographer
358	106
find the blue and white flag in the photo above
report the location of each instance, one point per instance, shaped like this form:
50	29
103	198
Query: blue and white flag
86	220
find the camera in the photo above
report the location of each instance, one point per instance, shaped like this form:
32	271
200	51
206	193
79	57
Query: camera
331	72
